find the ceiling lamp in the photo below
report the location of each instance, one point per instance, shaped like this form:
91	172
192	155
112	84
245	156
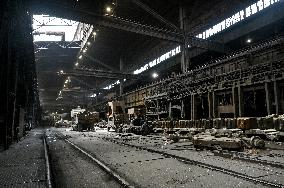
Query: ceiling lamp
108	9
155	75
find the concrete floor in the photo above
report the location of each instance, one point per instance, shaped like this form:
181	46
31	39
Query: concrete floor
131	157
72	169
146	169
23	165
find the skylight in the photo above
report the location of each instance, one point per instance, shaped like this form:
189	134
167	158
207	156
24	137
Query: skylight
48	28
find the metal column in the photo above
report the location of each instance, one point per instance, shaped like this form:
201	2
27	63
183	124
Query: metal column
276	97
240	101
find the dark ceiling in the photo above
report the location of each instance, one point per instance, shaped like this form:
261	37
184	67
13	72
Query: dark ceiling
112	44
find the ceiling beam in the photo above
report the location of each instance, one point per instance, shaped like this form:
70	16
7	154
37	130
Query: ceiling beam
99	62
78	14
100	74
155	14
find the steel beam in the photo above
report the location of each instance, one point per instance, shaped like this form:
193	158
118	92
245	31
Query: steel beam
68	12
99	62
100	74
155	14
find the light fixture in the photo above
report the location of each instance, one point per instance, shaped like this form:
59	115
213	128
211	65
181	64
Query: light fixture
249	40
76	64
84	51
155	75
94	33
61	72
88	43
108	9
80	57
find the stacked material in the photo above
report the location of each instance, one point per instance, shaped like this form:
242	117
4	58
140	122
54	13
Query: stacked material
265	122
164	124
155	124
246	123
218	123
175	124
206	123
279	123
182	124
191	123
205	140
230	123
197	124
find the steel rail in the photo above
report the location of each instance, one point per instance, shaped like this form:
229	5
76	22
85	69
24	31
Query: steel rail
202	165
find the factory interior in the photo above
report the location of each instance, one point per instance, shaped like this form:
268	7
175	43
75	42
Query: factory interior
142	93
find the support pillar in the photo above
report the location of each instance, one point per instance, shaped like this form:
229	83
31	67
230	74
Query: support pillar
193	107
182	108
268	98
240	101
276	97
121	63
214	105
170	110
210	105
235	102
183	46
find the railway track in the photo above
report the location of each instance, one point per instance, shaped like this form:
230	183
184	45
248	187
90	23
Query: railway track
104	167
200	164
248	159
84	154
184	160
47	164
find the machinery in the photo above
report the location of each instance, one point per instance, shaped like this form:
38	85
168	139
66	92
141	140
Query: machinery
116	115
86	121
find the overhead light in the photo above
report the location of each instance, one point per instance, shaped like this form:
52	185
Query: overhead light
249	40
155	75
76	64
84	51
88	43
80	57
94	33
61	72
108	9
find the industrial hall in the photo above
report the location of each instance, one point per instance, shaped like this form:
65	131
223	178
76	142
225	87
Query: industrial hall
141	93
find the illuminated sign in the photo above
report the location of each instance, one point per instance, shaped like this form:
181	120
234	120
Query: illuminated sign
239	16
